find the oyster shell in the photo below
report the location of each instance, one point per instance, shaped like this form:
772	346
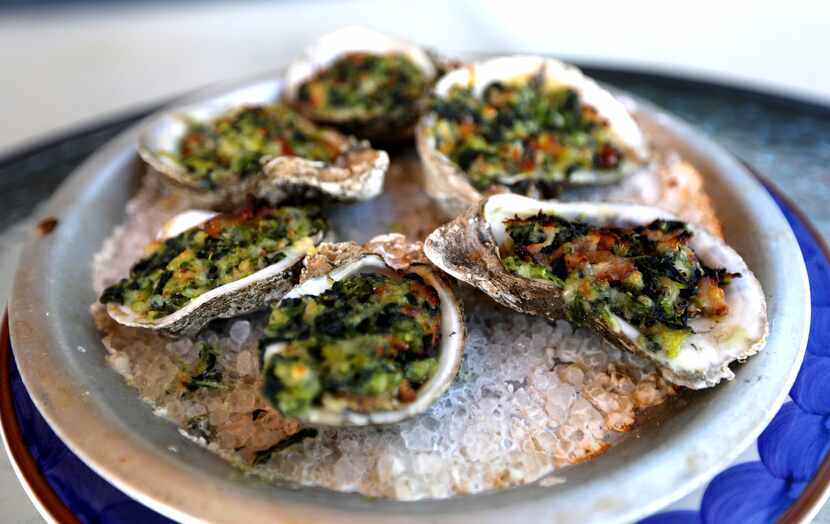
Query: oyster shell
468	248
340	261
357	173
384	126
235	298
448	184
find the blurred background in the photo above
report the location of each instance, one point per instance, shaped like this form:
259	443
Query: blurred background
67	63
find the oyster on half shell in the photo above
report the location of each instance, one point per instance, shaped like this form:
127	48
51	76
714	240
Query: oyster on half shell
177	289
365	361
691	349
378	85
525	124
264	167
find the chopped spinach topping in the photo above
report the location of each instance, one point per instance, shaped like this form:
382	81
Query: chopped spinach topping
221	151
647	275
224	249
527	136
264	455
360	86
366	344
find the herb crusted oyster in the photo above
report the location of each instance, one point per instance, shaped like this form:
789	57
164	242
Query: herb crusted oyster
525	124
221	155
230	147
363	343
648	283
208	266
362	82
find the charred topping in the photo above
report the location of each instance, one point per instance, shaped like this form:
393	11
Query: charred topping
525	135
231	146
224	249
648	275
368	343
363	86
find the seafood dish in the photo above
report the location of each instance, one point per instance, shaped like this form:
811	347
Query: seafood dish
514	290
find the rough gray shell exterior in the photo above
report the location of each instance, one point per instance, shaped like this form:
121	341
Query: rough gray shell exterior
443	179
241	301
465	248
356	175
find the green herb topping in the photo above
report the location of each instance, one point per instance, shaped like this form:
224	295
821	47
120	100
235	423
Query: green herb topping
527	136
368	343
647	275
224	249
360	86
231	147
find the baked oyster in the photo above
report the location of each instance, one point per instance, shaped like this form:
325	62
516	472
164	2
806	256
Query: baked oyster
245	145
525	124
363	82
363	343
648	283
206	266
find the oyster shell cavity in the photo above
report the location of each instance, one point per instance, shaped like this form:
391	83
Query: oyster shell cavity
352	39
373	120
451	344
556	74
164	130
469	249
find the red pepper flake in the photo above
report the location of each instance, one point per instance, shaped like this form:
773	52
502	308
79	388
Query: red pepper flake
468	129
516	153
216	225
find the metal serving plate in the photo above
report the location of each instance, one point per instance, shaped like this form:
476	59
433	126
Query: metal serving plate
102	420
